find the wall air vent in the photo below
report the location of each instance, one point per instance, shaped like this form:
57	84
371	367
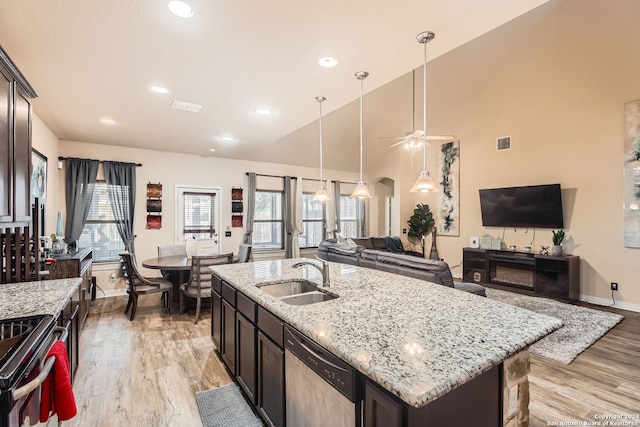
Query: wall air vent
503	143
186	106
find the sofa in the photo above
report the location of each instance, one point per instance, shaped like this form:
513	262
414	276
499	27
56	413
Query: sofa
386	254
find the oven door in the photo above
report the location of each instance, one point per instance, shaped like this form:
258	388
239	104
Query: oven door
26	394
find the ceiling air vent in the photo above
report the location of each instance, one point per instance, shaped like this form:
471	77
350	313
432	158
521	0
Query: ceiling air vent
186	106
503	143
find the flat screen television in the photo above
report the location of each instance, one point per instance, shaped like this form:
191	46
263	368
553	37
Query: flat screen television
534	206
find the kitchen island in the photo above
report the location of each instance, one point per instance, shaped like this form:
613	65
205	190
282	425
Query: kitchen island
416	340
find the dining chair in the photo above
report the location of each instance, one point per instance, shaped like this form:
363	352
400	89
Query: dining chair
140	285
244	253
199	284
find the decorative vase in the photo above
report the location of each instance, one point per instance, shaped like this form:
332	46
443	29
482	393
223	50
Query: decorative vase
434	250
556	250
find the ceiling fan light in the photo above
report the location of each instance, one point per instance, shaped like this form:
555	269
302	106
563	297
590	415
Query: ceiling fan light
424	184
321	195
361	191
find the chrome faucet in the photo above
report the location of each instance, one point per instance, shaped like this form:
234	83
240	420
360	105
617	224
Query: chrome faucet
324	270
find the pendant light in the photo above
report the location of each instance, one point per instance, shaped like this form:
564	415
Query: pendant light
424	183
361	191
321	195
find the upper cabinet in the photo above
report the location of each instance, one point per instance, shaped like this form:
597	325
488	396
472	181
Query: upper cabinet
15	143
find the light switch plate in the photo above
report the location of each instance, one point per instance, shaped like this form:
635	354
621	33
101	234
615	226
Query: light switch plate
227	234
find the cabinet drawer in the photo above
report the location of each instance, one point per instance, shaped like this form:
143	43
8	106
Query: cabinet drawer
246	306
271	326
216	284
229	294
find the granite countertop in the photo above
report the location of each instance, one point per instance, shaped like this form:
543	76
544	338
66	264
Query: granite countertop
32	298
419	340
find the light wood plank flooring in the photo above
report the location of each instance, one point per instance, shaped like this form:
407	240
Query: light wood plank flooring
146	372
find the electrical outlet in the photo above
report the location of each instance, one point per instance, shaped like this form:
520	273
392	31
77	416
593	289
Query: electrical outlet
227	234
614	286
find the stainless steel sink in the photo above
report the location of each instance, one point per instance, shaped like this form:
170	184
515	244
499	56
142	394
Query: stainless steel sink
309	298
291	287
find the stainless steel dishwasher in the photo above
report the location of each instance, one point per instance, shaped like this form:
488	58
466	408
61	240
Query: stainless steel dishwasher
321	389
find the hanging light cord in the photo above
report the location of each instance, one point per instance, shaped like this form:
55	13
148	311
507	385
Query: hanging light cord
424	114
361	94
320	99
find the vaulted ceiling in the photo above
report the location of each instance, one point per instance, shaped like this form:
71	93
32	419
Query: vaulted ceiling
97	59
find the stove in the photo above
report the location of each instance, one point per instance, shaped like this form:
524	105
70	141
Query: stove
24	344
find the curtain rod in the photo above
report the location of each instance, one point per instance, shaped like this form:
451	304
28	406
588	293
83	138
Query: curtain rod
295	177
100	161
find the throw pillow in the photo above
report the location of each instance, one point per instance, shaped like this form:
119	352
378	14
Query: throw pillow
341	240
351	243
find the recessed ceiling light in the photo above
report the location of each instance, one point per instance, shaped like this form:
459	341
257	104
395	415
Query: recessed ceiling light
263	112
328	61
227	138
212	150
180	8
107	121
159	89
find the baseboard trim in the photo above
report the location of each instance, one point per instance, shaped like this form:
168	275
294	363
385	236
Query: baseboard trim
111	293
607	302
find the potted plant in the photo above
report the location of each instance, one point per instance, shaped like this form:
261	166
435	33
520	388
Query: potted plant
558	237
420	225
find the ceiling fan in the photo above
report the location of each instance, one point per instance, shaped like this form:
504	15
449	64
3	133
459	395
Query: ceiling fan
415	139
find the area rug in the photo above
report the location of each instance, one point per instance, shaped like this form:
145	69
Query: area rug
582	326
225	407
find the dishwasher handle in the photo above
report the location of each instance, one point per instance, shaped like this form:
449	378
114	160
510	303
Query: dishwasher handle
44	369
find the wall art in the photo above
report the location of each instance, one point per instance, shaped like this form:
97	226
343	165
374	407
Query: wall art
448	176
38	176
631	168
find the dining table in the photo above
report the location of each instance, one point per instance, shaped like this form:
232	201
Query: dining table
178	267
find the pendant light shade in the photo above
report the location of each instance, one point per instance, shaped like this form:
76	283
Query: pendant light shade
424	183
361	191
321	195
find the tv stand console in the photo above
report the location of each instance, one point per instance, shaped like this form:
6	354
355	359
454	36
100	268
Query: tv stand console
549	276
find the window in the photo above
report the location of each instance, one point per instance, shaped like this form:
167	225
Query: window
199	215
313	221
350	209
268	222
100	232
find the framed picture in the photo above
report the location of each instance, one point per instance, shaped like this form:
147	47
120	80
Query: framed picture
38	176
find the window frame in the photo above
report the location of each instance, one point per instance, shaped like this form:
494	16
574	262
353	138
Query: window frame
264	221
322	220
359	207
114	221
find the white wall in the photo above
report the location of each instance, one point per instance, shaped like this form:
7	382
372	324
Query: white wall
171	169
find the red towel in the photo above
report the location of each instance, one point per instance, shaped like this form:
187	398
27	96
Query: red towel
57	394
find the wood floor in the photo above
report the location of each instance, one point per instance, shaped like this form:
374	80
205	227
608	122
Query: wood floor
146	372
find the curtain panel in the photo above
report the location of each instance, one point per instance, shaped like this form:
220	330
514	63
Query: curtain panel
80	183
121	186
251	207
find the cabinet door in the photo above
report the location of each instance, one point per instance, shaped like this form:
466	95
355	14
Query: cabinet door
380	410
228	352
6	147
246	334
271	396
216	320
22	156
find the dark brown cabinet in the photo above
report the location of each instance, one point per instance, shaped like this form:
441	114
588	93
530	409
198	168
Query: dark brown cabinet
228	339
271	394
246	341
246	336
76	264
380	409
17	240
216	319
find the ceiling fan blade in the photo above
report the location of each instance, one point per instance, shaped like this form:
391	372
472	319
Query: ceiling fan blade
394	137
398	143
